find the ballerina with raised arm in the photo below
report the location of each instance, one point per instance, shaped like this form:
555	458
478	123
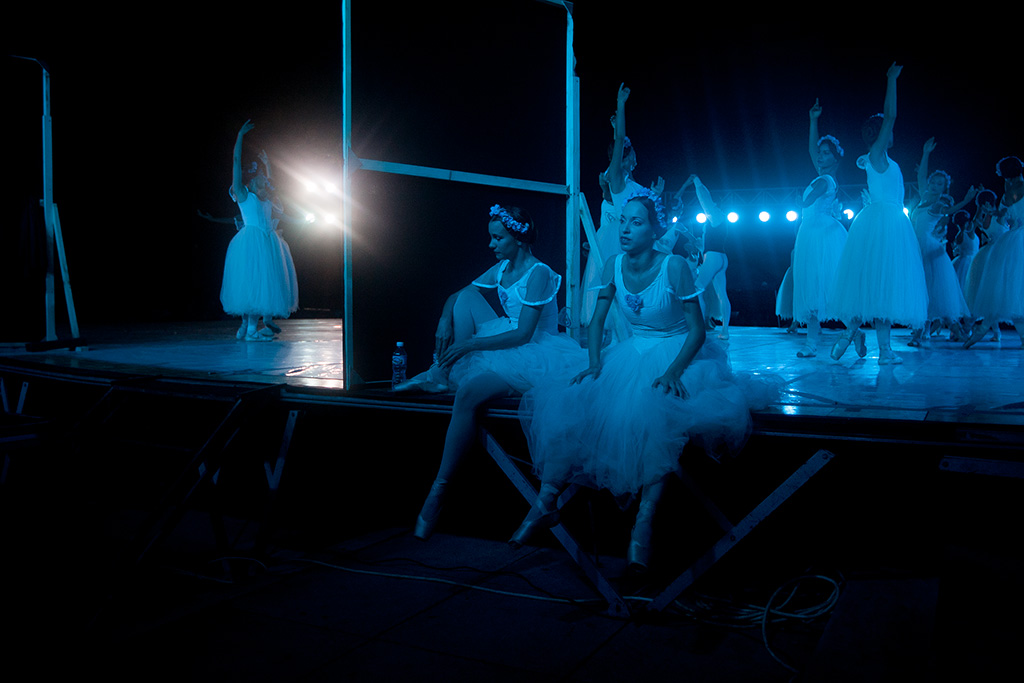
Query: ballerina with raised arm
880	276
621	424
259	278
711	274
820	238
482	356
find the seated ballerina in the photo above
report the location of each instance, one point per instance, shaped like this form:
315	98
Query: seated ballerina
621	424
482	356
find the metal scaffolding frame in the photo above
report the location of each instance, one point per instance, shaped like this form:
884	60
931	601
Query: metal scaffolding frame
575	209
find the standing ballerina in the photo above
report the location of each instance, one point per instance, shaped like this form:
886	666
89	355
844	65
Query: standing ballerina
622	423
482	356
616	183
259	278
946	304
1000	296
819	240
716	262
880	275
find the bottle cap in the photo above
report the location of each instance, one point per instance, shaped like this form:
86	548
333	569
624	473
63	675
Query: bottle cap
401	344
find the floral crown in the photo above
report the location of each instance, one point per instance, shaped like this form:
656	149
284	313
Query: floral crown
949	179
659	205
835	143
510	223
1000	163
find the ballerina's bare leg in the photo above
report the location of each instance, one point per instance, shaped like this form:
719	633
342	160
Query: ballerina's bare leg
712	273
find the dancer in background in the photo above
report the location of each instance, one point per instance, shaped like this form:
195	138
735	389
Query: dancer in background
482	356
616	183
1000	295
259	277
715	263
880	276
622	423
820	239
946	304
965	246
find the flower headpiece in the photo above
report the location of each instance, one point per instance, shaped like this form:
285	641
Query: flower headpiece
835	143
659	206
510	223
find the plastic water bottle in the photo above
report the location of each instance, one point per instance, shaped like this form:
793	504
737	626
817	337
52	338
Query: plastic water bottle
398	364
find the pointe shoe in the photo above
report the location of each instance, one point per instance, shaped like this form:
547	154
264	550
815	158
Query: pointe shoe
839	348
430	511
271	326
266	332
807	351
887	357
432	381
544	514
976	336
240	335
638	554
860	344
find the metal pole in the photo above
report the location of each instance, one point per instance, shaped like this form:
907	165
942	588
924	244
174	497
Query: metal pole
348	354
51	325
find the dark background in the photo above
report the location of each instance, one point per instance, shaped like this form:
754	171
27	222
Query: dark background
146	105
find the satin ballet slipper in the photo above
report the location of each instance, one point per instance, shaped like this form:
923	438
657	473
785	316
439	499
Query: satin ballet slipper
807	351
839	348
430	511
887	357
860	344
638	554
977	334
544	514
271	326
432	381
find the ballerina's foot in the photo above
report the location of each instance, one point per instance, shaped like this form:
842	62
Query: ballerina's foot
839	348
257	337
724	336
240	335
272	327
266	332
432	381
807	352
889	358
860	344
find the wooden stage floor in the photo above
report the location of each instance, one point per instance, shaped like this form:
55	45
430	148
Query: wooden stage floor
938	383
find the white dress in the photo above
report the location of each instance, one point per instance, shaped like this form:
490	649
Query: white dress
945	297
547	355
967	250
995	230
819	247
1000	296
880	274
617	432
259	275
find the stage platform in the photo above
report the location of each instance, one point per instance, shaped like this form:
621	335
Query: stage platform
108	450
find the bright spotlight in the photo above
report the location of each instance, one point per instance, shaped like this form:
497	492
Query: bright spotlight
792	215
310	218
309	185
764	216
331	188
733	216
675	219
702	218
331	219
849	213
906	211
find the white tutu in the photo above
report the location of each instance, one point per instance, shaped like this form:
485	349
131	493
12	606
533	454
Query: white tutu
259	275
962	263
945	297
784	297
816	254
1000	295
880	274
617	431
545	358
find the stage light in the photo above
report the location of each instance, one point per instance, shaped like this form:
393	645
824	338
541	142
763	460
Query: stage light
733	216
331	188
310	218
792	215
849	214
331	219
906	211
309	185
675	219
764	216
701	218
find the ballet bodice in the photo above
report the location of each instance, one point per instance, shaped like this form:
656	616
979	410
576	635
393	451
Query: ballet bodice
884	187
657	310
256	212
514	297
825	204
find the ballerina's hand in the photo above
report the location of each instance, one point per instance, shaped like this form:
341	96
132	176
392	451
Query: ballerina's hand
246	127
264	158
623	93
658	186
929	145
589	372
443	338
454	353
815	110
894	71
670	385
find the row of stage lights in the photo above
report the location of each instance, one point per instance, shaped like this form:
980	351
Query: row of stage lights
763	216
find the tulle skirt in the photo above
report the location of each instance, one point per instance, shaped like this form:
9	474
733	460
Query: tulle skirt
617	432
962	266
945	297
259	275
880	274
1000	295
548	357
784	297
819	247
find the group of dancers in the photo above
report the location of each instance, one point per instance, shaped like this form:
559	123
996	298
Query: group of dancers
616	416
